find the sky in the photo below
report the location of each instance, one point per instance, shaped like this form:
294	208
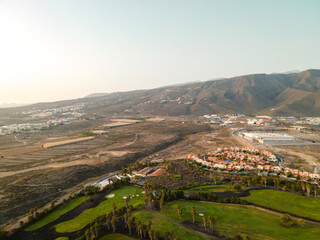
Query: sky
57	49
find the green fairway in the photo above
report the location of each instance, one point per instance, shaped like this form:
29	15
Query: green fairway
212	188
162	225
53	215
91	214
117	236
286	202
235	219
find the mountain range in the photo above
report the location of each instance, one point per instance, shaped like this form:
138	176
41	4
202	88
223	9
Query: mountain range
295	94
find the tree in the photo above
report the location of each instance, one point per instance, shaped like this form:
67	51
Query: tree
149	224
108	221
129	223
114	207
193	212
140	228
237	237
87	234
113	223
127	201
301	222
150	234
155	235
285	220
264	180
308	189
211	222
179	211
204	221
96	231
125	217
128	211
161	202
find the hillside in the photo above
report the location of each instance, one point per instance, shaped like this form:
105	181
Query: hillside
274	94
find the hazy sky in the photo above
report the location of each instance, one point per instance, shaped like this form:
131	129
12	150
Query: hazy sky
63	49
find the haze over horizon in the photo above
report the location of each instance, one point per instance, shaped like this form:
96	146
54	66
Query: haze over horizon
56	50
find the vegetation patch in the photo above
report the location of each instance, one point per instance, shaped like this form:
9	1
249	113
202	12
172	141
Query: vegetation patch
234	219
286	202
117	236
56	213
162	225
62	238
213	188
91	214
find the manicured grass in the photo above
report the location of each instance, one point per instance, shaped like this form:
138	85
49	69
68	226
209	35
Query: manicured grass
53	215
162	226
213	188
286	202
91	214
117	236
236	218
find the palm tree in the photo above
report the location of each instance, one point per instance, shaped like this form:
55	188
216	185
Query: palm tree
144	229
161	202
92	231
149	225
264	180
125	217
114	207
96	230
155	235
137	223
150	234
193	212
127	201
150	200
128	211
87	233
108	221
211	222
179	211
140	227
129	223
113	223
204	220
308	189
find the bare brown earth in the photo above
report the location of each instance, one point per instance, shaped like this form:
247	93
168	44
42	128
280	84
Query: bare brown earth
30	179
198	144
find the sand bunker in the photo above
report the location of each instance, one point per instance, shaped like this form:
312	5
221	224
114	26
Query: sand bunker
110	196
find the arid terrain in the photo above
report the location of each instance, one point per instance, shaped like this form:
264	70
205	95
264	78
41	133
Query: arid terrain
32	175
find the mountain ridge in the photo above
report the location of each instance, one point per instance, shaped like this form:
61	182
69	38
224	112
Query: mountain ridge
273	94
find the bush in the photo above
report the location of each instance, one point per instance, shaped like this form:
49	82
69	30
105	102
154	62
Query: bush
286	220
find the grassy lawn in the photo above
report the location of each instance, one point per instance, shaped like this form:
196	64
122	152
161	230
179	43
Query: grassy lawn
117	236
91	214
286	202
53	215
242	219
213	188
162	225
